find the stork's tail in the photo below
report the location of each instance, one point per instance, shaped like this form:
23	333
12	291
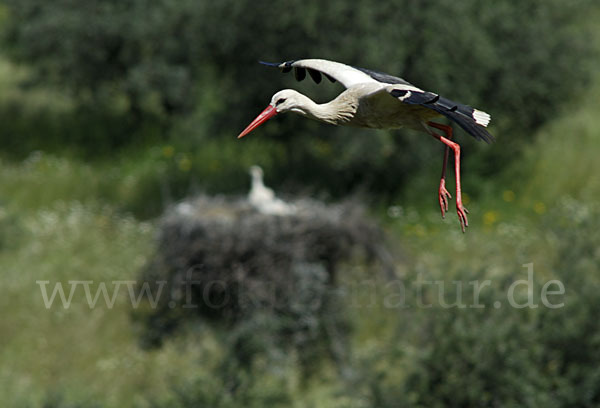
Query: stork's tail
472	120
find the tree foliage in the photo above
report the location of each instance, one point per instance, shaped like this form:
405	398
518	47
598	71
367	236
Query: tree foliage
520	61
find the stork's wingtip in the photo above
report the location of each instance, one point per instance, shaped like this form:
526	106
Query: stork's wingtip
269	64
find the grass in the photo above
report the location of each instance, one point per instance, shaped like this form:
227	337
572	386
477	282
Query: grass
77	352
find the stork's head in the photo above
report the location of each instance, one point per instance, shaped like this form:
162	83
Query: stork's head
256	172
282	101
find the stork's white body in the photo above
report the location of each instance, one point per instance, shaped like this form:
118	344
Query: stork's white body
376	100
366	105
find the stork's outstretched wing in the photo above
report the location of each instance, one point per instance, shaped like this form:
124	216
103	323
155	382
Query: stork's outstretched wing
473	121
334	71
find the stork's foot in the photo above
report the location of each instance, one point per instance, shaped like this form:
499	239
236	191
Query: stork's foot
443	196
462	215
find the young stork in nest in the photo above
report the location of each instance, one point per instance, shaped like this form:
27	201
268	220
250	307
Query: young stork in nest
263	199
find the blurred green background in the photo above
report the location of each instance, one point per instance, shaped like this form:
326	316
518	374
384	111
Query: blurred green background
112	110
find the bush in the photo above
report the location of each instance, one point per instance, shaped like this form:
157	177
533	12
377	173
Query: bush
531	357
270	281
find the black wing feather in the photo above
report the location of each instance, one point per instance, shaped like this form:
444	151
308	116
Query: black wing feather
270	64
315	75
284	66
457	112
299	73
383	77
332	80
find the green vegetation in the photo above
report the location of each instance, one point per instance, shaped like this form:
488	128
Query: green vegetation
112	111
185	72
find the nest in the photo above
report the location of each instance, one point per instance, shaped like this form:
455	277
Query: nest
228	264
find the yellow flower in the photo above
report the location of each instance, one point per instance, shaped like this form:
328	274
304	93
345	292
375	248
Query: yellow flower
508	196
490	217
419	230
184	164
168	151
539	207
465	198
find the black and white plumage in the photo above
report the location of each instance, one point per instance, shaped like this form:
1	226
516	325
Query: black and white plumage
377	100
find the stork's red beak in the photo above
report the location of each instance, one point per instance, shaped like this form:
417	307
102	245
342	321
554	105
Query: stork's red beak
265	115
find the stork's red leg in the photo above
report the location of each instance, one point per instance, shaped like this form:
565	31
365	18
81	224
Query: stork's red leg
460	209
443	194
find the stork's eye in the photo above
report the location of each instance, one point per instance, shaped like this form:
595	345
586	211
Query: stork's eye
280	101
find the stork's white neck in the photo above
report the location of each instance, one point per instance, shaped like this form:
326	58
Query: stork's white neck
257	180
335	112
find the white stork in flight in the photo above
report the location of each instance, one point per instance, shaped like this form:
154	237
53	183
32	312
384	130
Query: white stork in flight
381	101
